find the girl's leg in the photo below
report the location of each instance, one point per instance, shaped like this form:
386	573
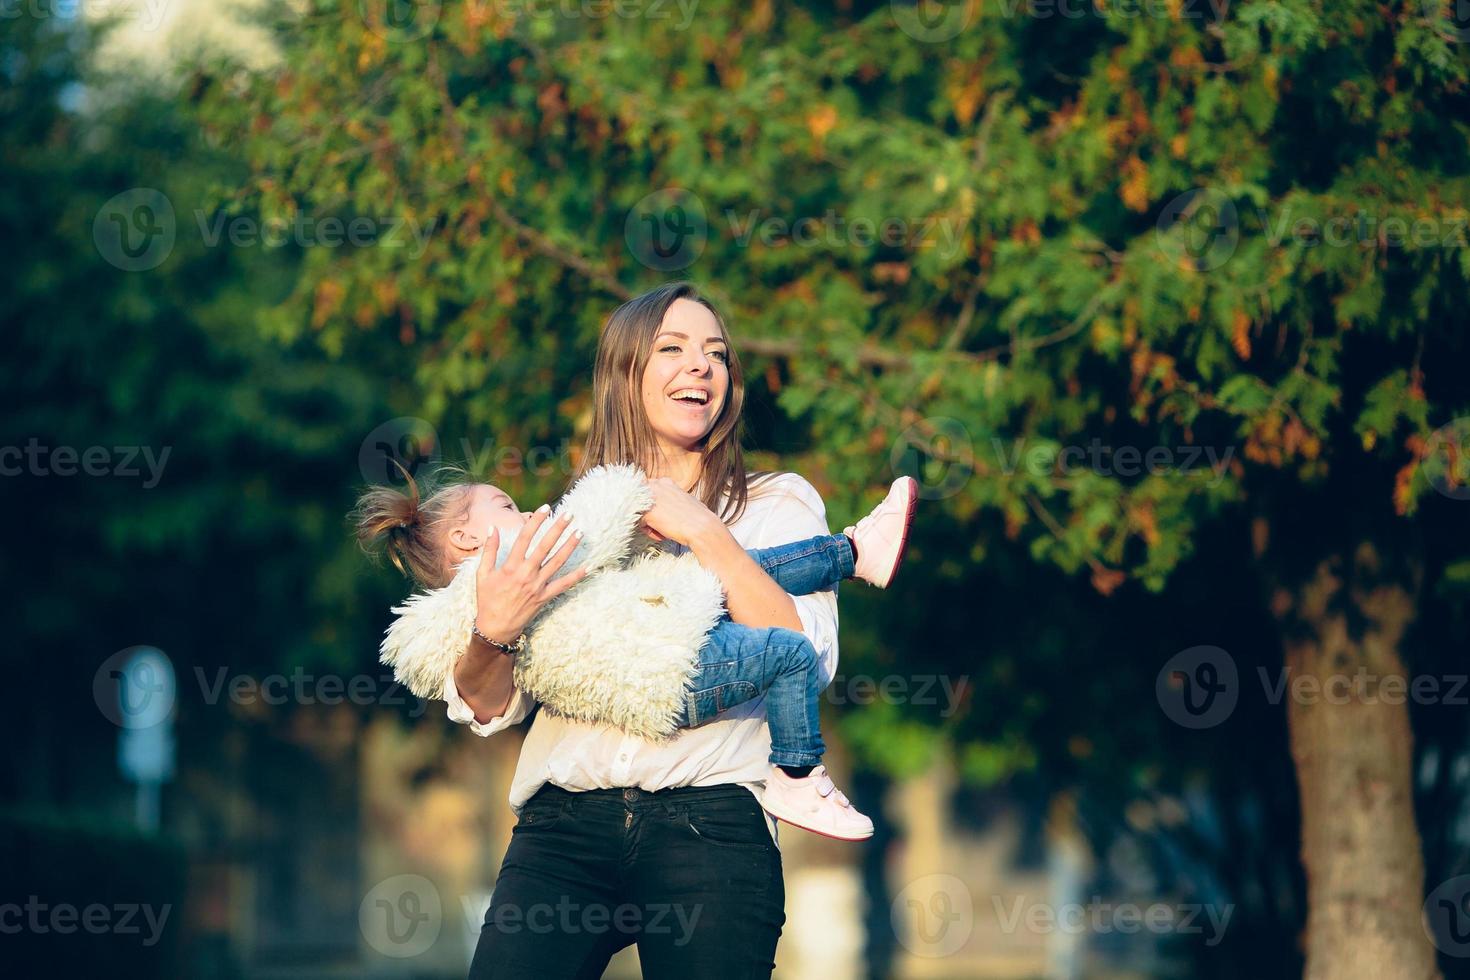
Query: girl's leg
803	567
739	663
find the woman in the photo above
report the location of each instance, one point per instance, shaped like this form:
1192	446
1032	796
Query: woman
622	840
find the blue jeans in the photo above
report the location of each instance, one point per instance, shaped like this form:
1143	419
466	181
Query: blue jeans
740	663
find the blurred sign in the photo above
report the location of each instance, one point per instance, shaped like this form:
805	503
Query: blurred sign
145	685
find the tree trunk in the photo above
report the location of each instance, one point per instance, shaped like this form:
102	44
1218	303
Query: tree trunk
1346	698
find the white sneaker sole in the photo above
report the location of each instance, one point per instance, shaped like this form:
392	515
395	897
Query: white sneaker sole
903	541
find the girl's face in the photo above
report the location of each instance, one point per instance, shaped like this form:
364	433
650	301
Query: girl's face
687	377
488	507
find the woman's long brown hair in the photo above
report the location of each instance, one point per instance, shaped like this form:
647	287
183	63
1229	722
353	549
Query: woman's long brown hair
620	429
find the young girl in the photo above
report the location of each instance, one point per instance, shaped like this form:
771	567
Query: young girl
428	539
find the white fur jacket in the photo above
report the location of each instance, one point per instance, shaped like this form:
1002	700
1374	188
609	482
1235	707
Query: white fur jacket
618	648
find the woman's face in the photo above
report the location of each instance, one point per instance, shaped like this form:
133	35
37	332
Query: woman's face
687	377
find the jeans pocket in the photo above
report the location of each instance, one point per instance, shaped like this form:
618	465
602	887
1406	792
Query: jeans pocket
702	706
729	826
540	815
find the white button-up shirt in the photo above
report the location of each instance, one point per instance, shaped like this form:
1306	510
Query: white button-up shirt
734	748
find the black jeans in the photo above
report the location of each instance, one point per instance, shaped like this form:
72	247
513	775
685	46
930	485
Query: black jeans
690	874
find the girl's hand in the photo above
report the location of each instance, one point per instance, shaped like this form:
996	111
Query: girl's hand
507	598
675	514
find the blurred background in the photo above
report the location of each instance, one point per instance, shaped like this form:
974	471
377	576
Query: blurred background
1162	301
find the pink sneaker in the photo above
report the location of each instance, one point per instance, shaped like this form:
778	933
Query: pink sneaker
881	536
813	803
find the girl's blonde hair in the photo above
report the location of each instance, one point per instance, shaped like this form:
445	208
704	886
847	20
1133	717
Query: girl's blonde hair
620	430
410	526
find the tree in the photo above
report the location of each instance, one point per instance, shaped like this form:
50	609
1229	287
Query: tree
1137	273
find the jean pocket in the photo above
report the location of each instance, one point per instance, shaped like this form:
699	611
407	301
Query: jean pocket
730	827
702	706
539	816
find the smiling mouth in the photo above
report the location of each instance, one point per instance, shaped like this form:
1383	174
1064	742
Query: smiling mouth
694	397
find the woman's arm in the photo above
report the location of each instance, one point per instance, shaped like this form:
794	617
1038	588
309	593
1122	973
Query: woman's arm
752	597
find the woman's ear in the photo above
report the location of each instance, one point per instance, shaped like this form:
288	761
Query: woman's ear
464	539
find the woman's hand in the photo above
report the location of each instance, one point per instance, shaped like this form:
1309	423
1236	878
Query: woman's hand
677	515
508	597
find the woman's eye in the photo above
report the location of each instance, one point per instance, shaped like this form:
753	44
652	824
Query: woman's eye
719	355
670	347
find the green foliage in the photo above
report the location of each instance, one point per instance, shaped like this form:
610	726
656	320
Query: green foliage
1050	287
